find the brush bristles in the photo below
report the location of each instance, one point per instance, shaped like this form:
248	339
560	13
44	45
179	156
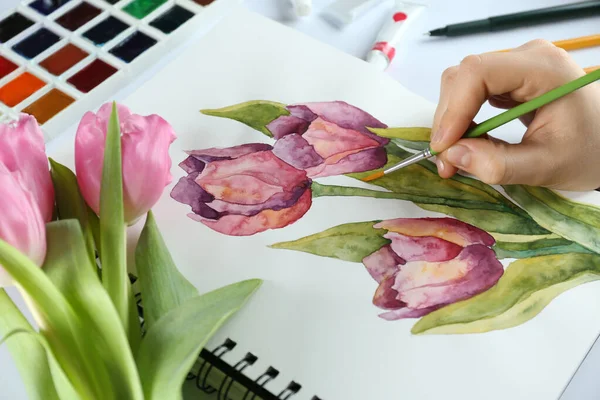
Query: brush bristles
374	176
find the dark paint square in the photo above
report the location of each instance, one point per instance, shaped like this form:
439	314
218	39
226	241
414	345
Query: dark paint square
36	43
12	25
112	1
203	2
46	7
6	67
105	30
92	75
78	16
172	19
130	48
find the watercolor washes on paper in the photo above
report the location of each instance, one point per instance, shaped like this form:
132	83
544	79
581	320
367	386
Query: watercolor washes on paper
87	50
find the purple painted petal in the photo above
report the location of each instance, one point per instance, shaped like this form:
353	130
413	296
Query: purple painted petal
474	271
192	165
407	313
286	125
366	160
383	263
228	153
302	112
386	297
186	191
295	150
348	116
449	229
426	248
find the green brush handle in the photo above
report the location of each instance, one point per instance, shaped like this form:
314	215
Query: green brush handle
529	106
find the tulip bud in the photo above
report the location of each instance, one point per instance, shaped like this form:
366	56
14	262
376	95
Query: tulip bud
146	162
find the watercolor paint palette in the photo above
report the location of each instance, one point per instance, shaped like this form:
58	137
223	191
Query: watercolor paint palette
61	58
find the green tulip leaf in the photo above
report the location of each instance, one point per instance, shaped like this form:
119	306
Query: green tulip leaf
348	242
257	114
415	138
527	286
176	339
537	248
162	286
571	220
70	204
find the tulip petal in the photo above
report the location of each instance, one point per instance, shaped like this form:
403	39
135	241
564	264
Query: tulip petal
366	160
192	165
188	192
474	271
228	153
286	125
295	150
407	313
449	229
239	225
146	162
383	263
386	296
426	248
347	116
22	224
23	150
303	112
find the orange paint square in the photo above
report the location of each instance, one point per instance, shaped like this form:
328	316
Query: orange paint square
20	88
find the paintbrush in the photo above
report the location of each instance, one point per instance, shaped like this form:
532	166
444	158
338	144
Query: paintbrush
498	120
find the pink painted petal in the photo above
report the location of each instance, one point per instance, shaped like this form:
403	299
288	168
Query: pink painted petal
382	263
302	112
474	271
334	142
228	153
406	312
347	116
426	248
23	150
366	160
250	179
22	224
239	225
295	150
286	125
146	162
449	229
386	297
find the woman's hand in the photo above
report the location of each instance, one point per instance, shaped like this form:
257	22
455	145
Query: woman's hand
561	147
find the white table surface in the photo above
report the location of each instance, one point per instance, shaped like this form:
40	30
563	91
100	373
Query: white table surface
419	63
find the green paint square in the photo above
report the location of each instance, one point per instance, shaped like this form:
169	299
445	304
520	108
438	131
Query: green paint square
140	8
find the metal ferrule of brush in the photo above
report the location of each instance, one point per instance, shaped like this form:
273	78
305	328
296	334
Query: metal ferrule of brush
425	154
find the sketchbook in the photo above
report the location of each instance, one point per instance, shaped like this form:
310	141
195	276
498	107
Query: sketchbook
411	287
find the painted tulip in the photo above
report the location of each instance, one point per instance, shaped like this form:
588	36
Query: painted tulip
430	263
145	142
23	153
242	190
329	138
22	224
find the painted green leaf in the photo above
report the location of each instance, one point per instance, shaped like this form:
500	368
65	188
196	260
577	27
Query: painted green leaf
70	204
163	287
348	242
526	287
176	338
537	248
27	353
572	220
415	138
256	114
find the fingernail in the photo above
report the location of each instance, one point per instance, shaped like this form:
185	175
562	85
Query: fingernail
440	165
437	136
459	155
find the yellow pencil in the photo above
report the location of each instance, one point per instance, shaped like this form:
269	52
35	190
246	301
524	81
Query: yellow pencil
575	43
590	69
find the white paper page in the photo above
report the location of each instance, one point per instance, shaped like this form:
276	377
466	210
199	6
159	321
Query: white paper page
313	318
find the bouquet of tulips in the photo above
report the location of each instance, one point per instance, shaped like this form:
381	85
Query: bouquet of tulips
63	246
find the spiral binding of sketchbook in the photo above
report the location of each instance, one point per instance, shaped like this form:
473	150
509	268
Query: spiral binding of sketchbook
211	362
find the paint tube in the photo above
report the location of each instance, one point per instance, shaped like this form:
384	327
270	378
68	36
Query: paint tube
302	7
383	51
343	12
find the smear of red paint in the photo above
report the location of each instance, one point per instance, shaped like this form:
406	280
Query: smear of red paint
399	16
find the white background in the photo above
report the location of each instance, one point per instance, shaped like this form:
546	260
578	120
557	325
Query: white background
418	66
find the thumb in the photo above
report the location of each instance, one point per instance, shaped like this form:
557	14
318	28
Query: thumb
499	163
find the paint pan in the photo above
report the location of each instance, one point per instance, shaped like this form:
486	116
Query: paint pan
20	88
47	106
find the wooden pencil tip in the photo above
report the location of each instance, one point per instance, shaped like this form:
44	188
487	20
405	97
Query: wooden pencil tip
374	176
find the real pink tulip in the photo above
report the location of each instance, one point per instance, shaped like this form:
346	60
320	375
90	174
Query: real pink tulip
145	142
22	224
23	154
